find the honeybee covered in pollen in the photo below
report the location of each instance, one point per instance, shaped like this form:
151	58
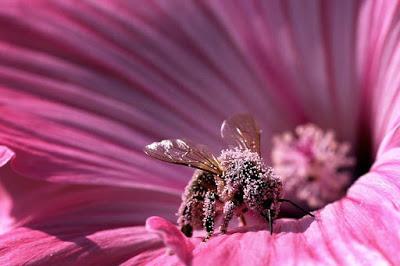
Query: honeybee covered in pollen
231	184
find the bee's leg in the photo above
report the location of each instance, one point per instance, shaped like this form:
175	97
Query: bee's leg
268	215
185	217
297	206
187	214
229	208
209	213
270	221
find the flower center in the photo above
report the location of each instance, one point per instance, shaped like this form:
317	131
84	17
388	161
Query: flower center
315	168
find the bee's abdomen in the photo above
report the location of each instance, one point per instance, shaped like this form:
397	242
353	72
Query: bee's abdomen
201	183
191	210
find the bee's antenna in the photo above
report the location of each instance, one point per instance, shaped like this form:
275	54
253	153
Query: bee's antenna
297	206
270	223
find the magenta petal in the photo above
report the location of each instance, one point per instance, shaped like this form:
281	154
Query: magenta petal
378	38
172	237
78	205
97	81
75	246
348	232
58	151
45	223
5	155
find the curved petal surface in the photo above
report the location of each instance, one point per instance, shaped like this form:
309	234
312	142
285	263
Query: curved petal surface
72	246
379	38
29	203
47	223
99	80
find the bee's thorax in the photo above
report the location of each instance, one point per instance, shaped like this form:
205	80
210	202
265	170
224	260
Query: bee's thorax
246	175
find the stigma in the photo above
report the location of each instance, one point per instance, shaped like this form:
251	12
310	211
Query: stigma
314	167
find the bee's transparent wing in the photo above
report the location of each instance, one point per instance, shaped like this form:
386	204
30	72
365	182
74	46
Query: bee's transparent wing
180	151
241	130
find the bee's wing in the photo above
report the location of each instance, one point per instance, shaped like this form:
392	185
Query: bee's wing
241	130
180	151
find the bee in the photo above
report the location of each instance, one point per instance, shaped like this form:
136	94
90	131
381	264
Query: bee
228	185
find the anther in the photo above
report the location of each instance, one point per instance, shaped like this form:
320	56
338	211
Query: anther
311	164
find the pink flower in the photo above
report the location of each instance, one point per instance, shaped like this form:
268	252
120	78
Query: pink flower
85	85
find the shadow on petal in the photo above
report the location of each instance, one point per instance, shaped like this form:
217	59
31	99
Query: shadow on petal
294	226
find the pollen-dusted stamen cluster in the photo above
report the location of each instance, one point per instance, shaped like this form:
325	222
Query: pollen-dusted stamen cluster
247	179
314	167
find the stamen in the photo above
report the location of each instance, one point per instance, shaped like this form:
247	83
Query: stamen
314	167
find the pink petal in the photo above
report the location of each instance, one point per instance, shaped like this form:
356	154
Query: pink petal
69	153
28	202
379	38
97	81
5	155
45	223
305	54
152	257
344	234
73	246
172	237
